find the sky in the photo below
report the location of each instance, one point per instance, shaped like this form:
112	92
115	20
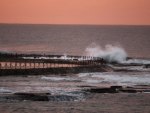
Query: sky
110	12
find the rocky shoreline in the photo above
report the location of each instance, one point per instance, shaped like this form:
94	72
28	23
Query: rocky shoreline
104	88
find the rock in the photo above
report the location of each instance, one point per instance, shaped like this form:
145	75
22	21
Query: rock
147	66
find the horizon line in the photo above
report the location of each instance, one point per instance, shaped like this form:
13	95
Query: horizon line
76	24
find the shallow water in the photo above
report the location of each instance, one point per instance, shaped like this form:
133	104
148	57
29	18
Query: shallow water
68	83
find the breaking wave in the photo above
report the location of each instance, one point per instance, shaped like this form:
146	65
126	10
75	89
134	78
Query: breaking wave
109	53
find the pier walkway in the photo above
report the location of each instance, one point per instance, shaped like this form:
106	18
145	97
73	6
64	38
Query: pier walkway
34	63
49	62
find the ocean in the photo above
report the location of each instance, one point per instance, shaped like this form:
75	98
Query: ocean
73	39
124	89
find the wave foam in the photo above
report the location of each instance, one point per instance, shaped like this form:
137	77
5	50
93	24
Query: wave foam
3	90
58	78
110	53
117	79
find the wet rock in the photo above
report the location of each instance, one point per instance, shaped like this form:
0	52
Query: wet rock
112	89
146	66
32	96
70	96
129	91
118	89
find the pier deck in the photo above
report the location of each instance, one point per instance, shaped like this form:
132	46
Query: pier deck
38	64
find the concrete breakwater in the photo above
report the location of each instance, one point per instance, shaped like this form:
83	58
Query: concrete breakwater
27	65
59	70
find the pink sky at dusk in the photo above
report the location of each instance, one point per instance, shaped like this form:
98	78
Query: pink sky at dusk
125	12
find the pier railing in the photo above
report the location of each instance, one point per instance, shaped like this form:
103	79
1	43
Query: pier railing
23	61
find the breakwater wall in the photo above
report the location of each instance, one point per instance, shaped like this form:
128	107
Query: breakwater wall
59	70
37	65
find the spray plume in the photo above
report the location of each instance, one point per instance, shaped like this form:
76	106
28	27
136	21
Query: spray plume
109	53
